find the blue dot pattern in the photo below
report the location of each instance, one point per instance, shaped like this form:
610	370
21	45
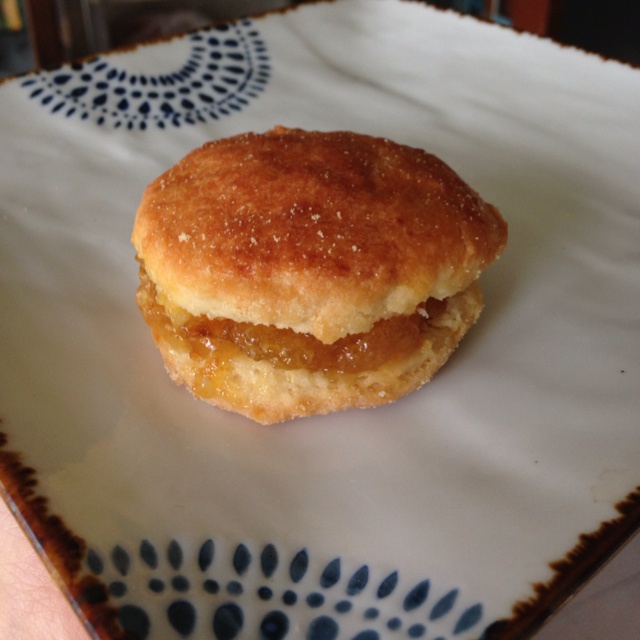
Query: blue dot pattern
326	602
226	67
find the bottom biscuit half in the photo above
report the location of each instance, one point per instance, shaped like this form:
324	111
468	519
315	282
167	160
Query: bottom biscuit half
230	379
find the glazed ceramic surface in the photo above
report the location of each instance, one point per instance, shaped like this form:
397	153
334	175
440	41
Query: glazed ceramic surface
505	481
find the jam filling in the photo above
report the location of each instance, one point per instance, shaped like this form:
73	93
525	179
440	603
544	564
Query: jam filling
389	339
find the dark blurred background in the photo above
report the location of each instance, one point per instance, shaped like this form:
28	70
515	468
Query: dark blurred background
45	33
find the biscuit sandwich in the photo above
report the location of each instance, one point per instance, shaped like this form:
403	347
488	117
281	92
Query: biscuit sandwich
295	272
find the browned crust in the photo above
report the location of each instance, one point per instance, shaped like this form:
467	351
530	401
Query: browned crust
321	232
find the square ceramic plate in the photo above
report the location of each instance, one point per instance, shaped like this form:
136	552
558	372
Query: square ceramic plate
469	509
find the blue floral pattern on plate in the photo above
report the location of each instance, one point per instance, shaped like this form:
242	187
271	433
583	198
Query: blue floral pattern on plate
225	67
253	592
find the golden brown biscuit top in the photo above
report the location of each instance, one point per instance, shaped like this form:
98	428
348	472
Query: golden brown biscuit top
324	233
